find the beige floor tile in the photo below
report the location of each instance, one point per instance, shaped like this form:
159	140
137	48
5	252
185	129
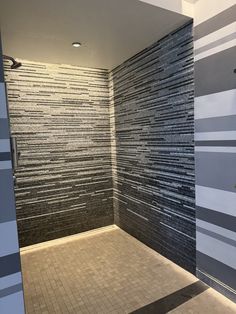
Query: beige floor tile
106	272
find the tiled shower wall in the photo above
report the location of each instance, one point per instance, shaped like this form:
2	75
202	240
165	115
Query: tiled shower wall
215	114
11	289
60	116
152	103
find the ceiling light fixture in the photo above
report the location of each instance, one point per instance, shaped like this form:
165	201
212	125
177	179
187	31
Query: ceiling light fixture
76	44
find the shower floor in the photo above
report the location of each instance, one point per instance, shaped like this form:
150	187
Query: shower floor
108	271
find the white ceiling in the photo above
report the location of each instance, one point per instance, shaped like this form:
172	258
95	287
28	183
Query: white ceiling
191	1
110	31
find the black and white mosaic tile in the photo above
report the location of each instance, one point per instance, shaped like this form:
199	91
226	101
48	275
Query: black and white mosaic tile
60	116
152	105
85	152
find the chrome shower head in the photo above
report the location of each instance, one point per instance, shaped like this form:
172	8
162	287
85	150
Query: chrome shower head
15	64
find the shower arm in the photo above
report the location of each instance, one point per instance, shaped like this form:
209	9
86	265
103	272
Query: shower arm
9	58
15	64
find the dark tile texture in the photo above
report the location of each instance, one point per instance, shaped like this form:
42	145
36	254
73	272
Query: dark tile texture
152	99
66	182
60	116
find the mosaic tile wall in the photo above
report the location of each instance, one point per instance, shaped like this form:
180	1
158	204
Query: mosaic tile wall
148	175
152	104
60	116
11	288
215	151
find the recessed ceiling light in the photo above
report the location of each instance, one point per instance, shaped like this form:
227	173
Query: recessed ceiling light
76	44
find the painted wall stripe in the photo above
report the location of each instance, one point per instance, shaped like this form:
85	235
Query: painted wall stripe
3	107
216	229
214	37
8	230
11	294
211	174
218	200
216	236
215	143
8	211
9	264
217	269
213	24
1	69
216	284
12	303
227	123
5	156
215	50
5	165
215	149
215	218
216	249
5	145
216	44
4	129
10	280
10	290
208	136
215	105
218	73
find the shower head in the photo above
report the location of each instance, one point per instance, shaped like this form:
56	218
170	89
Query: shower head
15	64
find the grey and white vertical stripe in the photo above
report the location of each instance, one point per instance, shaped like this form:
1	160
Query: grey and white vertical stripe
215	150
11	291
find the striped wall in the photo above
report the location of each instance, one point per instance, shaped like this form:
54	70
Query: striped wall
60	116
152	99
11	291
215	151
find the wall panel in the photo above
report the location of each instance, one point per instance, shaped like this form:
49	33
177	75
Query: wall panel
11	288
215	140
60	116
153	146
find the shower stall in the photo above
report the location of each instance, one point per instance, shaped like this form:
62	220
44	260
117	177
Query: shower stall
95	148
98	161
78	170
60	117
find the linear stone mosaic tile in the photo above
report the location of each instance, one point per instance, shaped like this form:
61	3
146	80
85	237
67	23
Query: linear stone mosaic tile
66	182
152	127
60	116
